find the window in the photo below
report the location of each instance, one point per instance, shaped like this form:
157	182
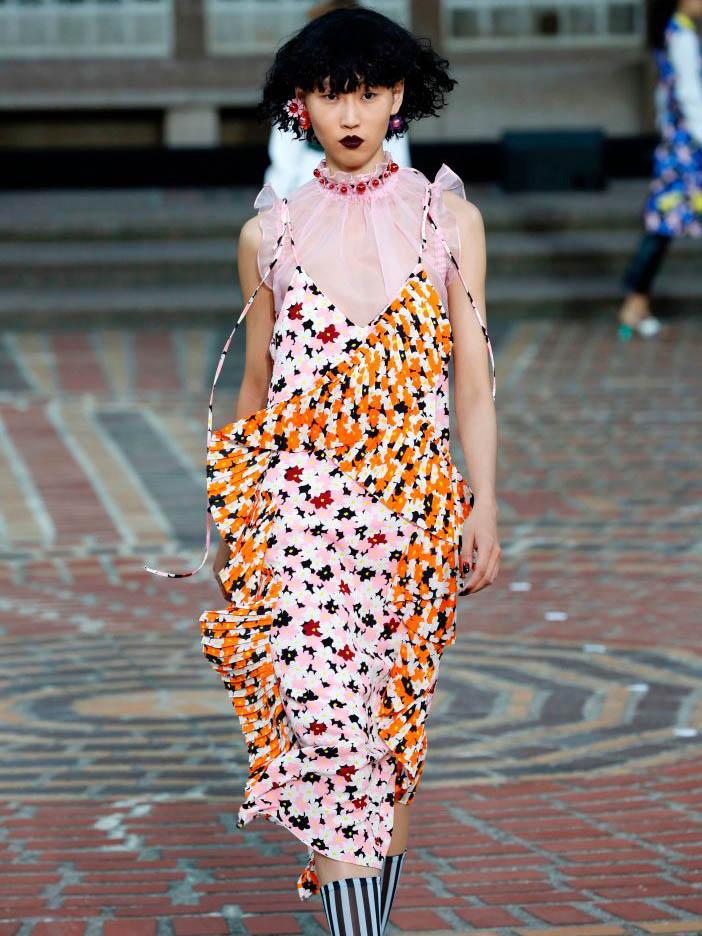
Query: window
85	28
502	24
250	26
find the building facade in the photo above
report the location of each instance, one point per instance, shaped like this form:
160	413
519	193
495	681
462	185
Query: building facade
182	73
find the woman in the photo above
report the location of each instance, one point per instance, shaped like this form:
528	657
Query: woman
346	527
674	204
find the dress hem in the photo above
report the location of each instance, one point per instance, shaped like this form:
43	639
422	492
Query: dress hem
299	834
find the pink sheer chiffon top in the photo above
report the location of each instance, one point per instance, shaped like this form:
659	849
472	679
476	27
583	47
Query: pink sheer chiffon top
359	244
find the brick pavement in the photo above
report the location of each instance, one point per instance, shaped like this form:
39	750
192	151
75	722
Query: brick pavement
561	793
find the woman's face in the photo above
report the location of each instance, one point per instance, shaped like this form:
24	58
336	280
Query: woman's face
363	114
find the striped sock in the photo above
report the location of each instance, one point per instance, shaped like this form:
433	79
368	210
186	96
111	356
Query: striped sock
392	869
352	906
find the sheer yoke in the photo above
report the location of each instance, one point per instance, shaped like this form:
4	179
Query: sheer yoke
360	248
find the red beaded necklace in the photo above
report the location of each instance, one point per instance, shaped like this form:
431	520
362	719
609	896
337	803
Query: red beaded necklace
349	183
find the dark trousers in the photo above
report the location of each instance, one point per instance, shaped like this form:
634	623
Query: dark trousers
646	262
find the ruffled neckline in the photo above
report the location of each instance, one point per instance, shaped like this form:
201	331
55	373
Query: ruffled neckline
344	184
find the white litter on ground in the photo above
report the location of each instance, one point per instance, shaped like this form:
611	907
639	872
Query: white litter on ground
594	648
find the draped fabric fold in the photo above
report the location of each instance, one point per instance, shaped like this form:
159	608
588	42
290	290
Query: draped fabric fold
365	411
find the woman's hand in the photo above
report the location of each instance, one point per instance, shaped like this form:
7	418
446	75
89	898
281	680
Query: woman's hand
480	534
221	560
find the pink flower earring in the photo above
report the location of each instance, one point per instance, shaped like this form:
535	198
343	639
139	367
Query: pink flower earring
397	124
297	110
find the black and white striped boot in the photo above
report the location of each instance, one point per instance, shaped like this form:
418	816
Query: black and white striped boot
392	869
352	906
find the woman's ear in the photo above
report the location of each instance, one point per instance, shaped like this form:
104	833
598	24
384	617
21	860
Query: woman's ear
398	92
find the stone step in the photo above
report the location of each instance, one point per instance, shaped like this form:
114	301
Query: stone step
212	261
117	256
74	264
163	305
174	214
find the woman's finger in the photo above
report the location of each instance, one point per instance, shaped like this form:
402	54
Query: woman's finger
493	564
477	579
480	583
466	560
467	547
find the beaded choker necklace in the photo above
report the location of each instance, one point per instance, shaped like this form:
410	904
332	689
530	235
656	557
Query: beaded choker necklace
363	183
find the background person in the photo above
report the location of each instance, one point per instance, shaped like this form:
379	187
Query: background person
674	204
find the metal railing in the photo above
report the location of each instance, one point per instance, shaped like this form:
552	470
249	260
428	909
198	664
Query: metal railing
85	28
250	26
538	24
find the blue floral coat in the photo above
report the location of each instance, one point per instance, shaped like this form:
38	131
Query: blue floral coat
674	203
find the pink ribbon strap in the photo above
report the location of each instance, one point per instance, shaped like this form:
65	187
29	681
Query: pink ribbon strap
472	302
225	349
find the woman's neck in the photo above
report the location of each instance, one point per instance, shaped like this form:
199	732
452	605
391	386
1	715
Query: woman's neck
370	165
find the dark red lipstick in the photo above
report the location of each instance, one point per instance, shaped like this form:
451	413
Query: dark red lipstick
351	142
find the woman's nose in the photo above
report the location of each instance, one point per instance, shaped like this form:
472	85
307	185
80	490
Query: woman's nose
349	116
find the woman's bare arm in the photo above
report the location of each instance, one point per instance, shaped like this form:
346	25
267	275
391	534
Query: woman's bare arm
259	325
259	320
474	407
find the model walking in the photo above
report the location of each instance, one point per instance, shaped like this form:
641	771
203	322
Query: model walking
346	527
674	204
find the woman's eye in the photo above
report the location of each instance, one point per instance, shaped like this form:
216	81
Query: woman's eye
372	93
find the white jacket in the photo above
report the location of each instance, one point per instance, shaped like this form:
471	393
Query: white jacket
684	53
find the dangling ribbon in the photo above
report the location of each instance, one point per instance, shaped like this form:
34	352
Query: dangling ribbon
225	349
427	215
472	302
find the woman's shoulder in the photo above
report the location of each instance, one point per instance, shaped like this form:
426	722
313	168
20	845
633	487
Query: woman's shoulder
681	36
250	234
260	233
451	207
268	210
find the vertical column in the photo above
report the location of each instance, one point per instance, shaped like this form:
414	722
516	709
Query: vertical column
190	124
426	20
189	26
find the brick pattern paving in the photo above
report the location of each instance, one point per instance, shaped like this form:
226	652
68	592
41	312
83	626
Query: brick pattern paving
562	789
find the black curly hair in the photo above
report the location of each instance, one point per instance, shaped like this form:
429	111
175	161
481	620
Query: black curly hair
355	48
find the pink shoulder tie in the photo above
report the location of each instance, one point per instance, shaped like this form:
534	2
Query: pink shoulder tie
427	215
225	349
472	302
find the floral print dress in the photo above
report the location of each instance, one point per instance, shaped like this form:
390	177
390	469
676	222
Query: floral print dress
673	207
343	512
